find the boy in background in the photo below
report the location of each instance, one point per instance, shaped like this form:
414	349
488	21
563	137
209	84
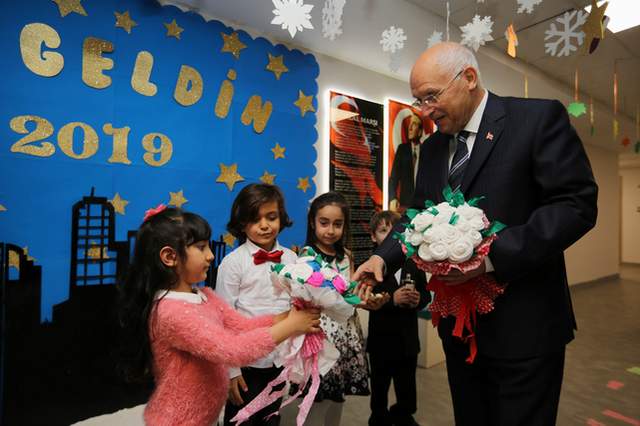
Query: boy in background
393	343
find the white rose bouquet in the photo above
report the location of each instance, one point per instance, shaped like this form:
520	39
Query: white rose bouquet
310	282
454	234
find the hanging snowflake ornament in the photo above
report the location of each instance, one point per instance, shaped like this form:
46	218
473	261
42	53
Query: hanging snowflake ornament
564	37
435	38
477	32
527	5
392	39
292	15
332	18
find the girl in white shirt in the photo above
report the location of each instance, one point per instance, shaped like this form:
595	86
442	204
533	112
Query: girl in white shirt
258	215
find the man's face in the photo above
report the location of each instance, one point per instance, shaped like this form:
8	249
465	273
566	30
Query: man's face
454	105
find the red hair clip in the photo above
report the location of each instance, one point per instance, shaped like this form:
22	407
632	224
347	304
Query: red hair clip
152	212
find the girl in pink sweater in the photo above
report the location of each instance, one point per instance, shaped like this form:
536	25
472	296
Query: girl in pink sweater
186	337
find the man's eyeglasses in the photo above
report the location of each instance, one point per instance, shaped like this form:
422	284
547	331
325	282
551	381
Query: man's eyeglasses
432	99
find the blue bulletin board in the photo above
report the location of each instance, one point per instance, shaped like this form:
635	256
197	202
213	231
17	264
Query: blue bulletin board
146	104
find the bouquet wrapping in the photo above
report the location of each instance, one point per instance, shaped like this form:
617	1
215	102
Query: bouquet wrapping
310	282
454	234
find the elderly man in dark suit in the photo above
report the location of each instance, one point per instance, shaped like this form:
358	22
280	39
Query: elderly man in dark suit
526	158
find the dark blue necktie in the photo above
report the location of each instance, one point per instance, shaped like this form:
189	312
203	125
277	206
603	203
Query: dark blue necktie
460	160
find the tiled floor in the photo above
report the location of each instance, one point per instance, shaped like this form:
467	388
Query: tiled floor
606	345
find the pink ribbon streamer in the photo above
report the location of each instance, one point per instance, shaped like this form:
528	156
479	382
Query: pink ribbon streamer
311	347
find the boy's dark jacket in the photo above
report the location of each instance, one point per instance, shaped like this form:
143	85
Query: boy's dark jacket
393	330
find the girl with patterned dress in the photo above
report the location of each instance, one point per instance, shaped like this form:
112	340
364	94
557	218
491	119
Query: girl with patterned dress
327	235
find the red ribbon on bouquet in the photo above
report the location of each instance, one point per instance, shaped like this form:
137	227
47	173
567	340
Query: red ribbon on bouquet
311	347
462	300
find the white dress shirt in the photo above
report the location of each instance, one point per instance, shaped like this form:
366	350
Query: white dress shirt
247	288
472	126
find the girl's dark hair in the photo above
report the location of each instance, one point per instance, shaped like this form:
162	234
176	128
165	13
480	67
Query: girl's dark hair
327	199
247	204
145	276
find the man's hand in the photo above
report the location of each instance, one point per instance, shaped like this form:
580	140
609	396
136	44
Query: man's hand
455	277
236	384
370	272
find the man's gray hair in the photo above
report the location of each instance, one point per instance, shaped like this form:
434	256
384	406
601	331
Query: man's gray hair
456	58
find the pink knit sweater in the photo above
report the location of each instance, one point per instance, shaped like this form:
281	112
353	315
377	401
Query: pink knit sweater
193	345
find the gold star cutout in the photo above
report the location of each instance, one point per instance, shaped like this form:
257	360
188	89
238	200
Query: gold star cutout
14	260
278	151
118	203
267	178
305	103
66	7
276	65
177	199
94	251
124	21
229	175
229	239
173	30
303	184
232	44
593	27
26	253
2	208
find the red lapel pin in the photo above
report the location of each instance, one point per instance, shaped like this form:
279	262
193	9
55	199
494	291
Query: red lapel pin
489	136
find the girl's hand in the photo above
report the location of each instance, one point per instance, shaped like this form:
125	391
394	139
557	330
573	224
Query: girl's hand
363	291
279	317
304	320
236	386
298	321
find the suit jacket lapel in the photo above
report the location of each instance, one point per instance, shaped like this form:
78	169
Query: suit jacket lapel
488	135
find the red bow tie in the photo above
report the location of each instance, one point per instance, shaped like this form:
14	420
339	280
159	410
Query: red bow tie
262	256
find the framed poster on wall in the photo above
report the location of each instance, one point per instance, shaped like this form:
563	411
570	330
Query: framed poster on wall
355	152
407	132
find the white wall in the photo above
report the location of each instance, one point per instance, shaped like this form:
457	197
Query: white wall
630	208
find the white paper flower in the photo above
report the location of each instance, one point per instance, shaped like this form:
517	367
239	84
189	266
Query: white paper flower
474	237
461	250
450	234
476	223
433	234
425	253
439	251
297	270
328	273
415	238
466	211
422	220
462	225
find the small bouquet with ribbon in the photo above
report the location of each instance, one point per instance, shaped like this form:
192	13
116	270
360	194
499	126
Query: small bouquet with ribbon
454	234
310	282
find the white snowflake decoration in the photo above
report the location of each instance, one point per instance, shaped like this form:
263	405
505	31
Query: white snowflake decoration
394	61
293	15
477	32
434	39
332	18
392	39
527	5
569	30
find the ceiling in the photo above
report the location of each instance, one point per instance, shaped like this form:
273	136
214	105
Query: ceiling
364	20
595	70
